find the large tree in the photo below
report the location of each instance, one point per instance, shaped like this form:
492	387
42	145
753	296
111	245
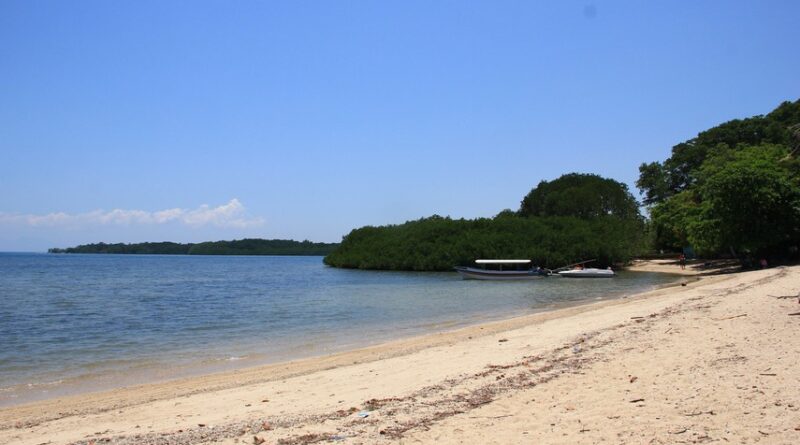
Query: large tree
582	196
658	181
733	188
750	202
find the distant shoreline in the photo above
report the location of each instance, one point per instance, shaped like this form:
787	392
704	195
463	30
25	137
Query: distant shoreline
247	246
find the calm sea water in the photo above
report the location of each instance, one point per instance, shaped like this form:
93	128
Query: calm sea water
71	323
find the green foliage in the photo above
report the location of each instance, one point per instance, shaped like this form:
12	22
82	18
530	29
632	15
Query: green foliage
671	219
679	172
653	183
750	202
582	196
438	243
733	188
253	246
164	248
610	231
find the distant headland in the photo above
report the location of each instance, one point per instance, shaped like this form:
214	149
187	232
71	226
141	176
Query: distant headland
248	246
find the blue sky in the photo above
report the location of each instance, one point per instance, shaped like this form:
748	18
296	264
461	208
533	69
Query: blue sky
189	121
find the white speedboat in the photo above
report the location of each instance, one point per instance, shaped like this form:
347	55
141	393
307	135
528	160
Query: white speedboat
501	270
588	272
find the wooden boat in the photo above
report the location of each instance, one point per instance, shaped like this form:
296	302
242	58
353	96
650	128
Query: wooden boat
504	270
589	272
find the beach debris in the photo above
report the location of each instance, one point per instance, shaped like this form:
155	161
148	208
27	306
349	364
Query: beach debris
502	340
784	297
633	378
375	404
700	413
363	414
769	374
637	400
795	313
731	317
679	431
201	425
258	440
266	426
304	439
338	437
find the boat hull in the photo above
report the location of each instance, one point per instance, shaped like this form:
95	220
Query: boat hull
587	273
471	273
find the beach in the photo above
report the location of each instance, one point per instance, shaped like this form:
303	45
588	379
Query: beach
710	359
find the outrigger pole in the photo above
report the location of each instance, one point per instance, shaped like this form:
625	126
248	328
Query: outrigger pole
573	264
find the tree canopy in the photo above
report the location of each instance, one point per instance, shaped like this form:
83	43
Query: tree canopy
610	231
735	188
582	196
658	181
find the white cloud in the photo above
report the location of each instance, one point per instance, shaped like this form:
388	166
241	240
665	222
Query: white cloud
233	214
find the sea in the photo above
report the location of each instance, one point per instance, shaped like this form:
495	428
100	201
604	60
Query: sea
72	323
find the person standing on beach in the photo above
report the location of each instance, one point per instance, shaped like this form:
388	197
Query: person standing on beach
682	261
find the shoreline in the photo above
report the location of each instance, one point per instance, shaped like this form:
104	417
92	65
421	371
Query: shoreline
146	374
249	375
355	355
315	397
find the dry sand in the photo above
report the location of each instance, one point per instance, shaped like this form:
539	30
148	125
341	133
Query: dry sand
716	360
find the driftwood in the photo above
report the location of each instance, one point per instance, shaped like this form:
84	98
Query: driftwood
795	313
784	297
729	318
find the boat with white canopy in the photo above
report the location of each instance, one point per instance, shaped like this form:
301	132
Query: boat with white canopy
502	270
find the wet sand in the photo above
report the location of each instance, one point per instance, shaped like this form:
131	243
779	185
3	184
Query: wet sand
714	360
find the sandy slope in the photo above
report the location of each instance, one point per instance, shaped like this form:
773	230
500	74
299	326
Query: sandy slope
715	361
